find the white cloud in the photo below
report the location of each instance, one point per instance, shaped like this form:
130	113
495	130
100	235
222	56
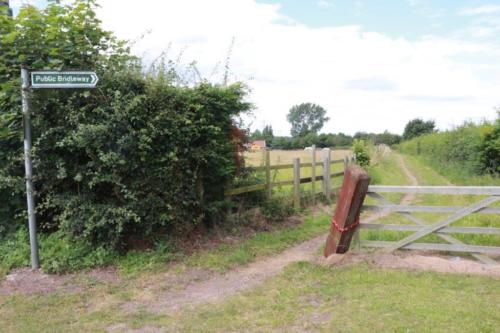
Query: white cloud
324	3
367	81
481	10
19	3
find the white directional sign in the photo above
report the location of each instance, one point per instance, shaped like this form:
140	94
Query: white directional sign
40	80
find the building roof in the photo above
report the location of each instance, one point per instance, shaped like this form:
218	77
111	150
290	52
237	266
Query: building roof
260	143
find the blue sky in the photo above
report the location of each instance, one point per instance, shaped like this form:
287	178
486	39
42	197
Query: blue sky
410	19
374	65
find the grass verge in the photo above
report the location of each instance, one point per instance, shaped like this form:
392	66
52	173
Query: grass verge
305	297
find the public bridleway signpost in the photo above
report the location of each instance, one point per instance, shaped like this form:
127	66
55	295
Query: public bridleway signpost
43	80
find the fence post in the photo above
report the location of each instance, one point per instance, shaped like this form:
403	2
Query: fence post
296	183
346	162
326	173
268	174
313	175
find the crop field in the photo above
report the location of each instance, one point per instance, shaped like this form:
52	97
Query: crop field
257	158
280	157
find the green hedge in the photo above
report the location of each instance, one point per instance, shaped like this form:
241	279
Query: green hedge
137	157
469	149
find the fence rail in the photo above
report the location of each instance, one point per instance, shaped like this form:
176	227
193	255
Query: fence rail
325	177
452	190
441	228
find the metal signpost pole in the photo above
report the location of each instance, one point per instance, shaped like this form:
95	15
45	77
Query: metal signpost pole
44	80
35	264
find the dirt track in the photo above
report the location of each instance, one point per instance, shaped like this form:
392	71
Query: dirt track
221	286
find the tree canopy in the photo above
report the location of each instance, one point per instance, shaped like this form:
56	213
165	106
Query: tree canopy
418	127
306	118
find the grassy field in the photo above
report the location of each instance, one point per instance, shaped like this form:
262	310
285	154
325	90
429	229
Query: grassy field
257	158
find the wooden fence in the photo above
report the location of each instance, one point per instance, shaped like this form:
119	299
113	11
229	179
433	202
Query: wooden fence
325	176
441	228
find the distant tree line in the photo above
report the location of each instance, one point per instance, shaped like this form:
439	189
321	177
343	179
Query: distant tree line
322	140
306	120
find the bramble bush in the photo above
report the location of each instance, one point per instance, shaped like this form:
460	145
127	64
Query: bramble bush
137	157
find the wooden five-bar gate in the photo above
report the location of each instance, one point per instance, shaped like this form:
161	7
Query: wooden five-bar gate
441	228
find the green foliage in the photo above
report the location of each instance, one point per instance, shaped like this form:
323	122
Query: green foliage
386	138
62	254
15	251
58	253
361	153
277	209
306	118
468	150
55	38
244	201
135	262
489	149
266	134
417	127
321	141
339	140
137	156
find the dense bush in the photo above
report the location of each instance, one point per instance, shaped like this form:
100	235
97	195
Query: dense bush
136	157
361	153
277	209
489	150
472	149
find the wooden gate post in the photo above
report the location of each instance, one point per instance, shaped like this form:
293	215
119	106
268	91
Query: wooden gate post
346	216
326	173
313	175
268	174
296	183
